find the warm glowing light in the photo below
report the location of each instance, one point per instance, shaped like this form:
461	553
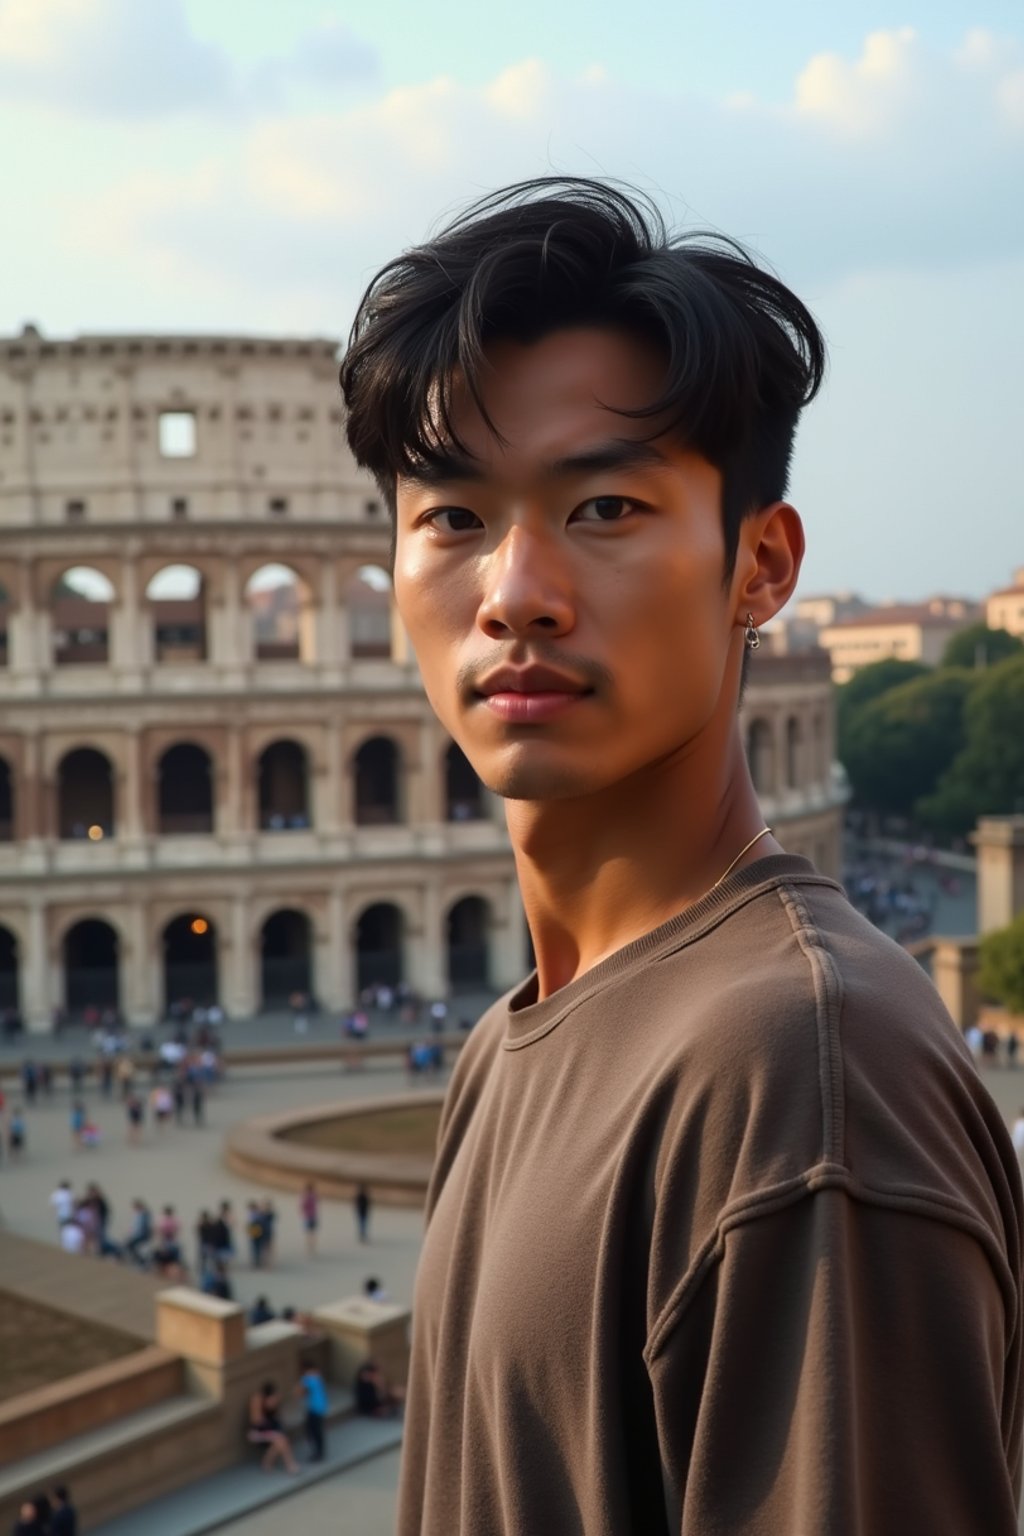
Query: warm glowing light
199	925
95	833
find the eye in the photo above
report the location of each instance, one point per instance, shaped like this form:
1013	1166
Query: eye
453	520
605	509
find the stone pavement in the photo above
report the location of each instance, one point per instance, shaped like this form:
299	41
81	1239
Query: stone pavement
357	1503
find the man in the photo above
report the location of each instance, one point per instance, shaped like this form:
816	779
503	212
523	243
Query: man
64	1519
724	1233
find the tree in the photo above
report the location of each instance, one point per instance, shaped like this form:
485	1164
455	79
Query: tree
867	684
980	646
902	741
1001	972
986	778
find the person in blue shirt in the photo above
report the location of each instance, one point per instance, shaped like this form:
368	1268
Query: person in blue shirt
311	1385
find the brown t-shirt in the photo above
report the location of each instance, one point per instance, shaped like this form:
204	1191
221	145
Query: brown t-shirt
723	1238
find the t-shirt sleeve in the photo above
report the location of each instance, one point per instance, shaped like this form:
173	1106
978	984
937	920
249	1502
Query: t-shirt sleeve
842	1369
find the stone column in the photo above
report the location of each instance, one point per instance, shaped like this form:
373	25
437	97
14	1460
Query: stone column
328	653
361	1330
239	985
23	626
1000	844
509	950
955	973
128	808
37	1000
141	973
334	978
425	949
128	652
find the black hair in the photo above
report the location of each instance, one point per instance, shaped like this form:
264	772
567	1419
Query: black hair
743	355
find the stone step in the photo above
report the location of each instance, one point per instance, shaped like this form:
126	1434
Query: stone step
219	1500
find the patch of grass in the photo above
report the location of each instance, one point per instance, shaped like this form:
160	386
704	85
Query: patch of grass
39	1345
411	1131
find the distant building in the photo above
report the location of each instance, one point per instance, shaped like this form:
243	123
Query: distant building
907	631
807	617
1005	609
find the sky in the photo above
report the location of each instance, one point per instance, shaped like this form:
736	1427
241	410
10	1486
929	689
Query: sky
214	165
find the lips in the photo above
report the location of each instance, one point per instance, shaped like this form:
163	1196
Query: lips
530	680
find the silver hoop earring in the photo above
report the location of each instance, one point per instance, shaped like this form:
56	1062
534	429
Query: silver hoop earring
750	634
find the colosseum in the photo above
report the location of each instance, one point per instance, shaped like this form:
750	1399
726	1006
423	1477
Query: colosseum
219	775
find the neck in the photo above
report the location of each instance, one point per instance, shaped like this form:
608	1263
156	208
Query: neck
599	871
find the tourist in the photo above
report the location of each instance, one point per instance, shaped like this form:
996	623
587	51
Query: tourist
78	1122
374	1291
29	1080
88	1219
140	1233
206	1242
125	1075
717	1186
223	1235
76	1074
28	1522
72	1235
309	1210
198	1096
166	1256
265	1427
161	1102
362	1206
261	1312
215	1282
64	1518
62	1202
135	1113
16	1133
268	1213
375	1397
256	1232
310	1386
178	1091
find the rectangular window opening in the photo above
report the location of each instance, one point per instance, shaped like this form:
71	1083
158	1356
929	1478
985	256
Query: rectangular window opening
74	511
177	434
278	506
179	508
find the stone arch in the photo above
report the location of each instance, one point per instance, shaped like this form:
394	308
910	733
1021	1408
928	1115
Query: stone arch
184	790
468	926
287	940
761	755
377	782
190	960
464	794
7	804
282	611
369	602
283	786
379	942
10	990
85	795
81	603
91	951
176	598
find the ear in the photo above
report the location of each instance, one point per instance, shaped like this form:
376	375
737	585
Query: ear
768	560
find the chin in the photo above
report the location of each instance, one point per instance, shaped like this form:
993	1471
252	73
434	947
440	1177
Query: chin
540	781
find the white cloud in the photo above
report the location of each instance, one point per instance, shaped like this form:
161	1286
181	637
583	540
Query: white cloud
902	157
140	59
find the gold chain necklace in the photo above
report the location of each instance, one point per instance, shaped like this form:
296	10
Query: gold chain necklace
764	832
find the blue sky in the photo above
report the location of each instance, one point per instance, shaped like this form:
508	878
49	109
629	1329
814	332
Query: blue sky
212	165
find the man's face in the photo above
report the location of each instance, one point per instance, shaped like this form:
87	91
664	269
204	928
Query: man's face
563	588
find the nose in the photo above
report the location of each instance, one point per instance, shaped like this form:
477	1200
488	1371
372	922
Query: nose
527	590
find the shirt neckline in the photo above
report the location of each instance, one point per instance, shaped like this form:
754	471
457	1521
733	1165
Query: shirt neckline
527	1021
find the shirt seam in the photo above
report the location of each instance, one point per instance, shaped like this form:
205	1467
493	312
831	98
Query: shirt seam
913	1199
829	994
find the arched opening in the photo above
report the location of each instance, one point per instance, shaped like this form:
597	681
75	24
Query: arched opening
463	791
368	600
380	959
469	922
5	610
283	620
9	995
761	756
286	957
90	967
85	796
6	802
184	790
794	753
80	606
177	606
377	783
283	788
190	961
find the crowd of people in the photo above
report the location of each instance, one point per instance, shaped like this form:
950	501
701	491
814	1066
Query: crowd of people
47	1514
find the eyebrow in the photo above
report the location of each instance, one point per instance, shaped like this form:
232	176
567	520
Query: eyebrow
620	453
